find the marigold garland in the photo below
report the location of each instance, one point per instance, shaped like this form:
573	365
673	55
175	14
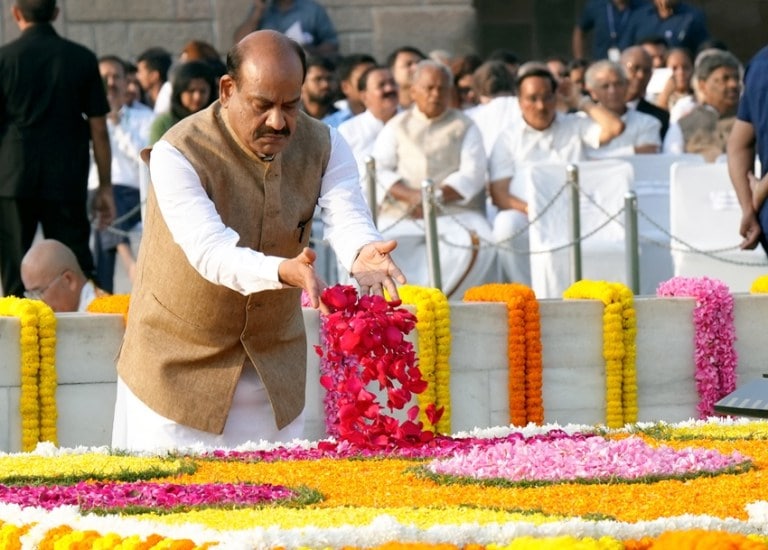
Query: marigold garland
110	303
619	346
759	285
523	348
434	328
38	368
714	338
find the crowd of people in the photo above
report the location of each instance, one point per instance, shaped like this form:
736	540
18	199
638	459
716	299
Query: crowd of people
242	154
654	81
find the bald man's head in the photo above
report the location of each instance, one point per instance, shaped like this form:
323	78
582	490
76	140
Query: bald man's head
50	272
638	66
261	92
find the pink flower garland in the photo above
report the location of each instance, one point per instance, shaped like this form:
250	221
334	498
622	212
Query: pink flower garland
714	352
142	494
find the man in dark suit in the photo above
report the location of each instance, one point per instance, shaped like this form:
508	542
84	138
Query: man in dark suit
638	66
52	104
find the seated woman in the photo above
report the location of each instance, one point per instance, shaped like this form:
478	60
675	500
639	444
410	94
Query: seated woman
678	89
193	88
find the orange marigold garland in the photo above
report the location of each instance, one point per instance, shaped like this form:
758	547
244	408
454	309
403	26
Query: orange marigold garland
619	347
433	326
523	348
111	303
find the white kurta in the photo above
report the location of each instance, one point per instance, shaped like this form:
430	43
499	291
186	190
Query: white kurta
566	140
495	116
639	129
462	266
361	132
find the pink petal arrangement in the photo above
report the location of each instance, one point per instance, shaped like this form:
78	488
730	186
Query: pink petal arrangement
142	494
714	352
593	459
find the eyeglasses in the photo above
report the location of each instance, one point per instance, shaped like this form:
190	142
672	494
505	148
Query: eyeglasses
38	293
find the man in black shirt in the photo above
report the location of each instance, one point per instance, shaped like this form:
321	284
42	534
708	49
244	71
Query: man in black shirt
52	104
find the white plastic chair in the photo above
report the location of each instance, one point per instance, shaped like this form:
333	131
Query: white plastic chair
651	184
606	182
704	222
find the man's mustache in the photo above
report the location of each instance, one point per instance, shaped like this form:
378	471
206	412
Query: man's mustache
267	131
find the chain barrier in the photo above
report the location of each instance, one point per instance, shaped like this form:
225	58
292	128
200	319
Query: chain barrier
507	243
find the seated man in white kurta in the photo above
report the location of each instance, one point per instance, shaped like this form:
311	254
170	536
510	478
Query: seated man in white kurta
543	134
432	141
607	84
378	92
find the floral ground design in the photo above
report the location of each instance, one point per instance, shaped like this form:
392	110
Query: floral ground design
695	484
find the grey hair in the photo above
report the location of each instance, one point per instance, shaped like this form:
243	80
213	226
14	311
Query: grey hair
590	76
426	64
708	61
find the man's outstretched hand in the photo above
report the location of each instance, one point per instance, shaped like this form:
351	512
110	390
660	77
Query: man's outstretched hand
375	271
299	272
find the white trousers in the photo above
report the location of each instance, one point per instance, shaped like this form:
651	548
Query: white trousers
513	255
136	427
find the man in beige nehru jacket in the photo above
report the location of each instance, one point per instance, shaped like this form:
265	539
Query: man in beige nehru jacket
215	349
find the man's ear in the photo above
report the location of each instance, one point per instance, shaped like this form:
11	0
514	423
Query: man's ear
227	87
55	13
16	13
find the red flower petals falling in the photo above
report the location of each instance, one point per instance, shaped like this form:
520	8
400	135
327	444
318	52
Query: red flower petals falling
364	342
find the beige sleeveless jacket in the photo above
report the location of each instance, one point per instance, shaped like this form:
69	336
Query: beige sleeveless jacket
187	339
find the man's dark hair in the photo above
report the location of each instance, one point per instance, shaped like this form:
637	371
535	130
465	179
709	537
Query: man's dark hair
348	63
391	58
492	78
322	62
502	54
534	68
114	59
362	84
578	63
235	59
654	40
37	11
156	59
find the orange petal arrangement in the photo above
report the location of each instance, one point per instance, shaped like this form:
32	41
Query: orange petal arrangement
524	348
697	484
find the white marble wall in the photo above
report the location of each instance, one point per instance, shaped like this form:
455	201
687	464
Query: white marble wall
573	366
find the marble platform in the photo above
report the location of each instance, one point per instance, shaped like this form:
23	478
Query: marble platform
572	355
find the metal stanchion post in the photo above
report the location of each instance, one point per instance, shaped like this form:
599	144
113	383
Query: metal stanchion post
631	241
430	222
370	182
572	173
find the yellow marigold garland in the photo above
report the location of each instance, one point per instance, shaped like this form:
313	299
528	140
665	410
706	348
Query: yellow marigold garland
110	303
760	285
38	368
48	382
434	329
523	348
619	346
